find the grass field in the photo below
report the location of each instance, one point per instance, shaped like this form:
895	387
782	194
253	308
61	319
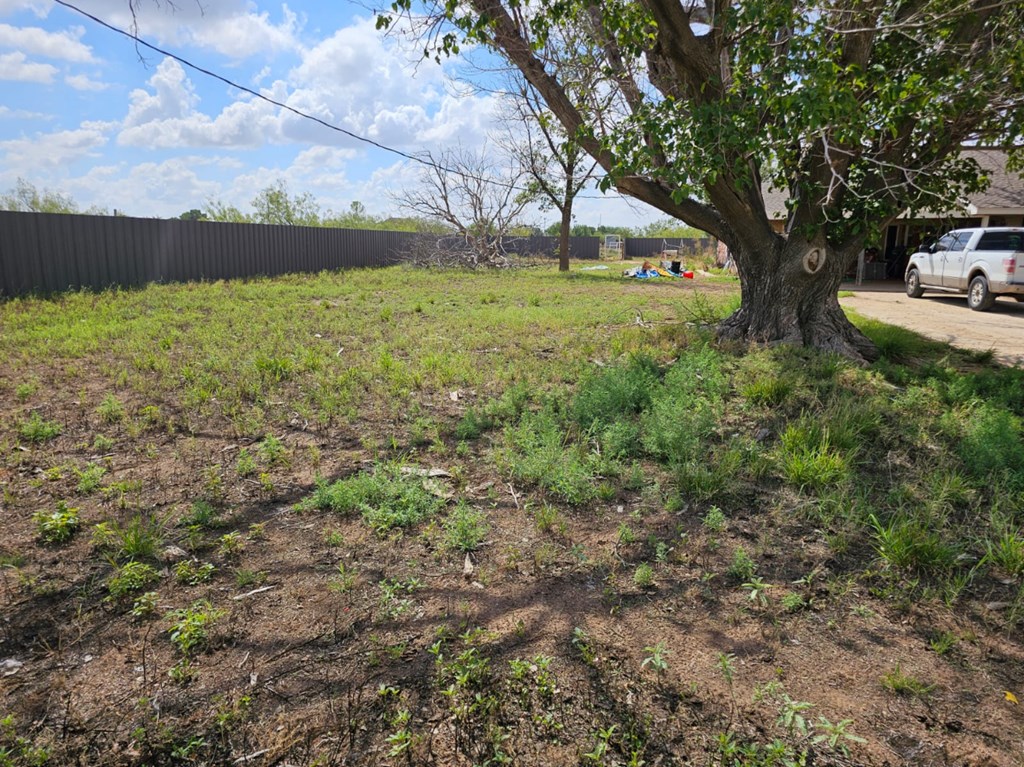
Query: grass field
408	517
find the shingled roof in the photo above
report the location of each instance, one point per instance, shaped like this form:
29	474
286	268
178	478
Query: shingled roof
1006	189
1005	192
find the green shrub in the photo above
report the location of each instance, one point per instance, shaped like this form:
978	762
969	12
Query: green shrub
608	395
386	498
111	410
910	544
38	429
541	453
465	528
57	526
808	458
992	443
189	629
131	577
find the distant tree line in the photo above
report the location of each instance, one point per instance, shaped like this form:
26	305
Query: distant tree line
24	197
275	204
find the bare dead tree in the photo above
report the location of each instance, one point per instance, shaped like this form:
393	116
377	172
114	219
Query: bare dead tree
479	195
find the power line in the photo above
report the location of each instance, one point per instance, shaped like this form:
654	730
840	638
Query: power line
305	115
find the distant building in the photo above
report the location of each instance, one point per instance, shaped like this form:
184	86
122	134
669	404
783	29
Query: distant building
1002	204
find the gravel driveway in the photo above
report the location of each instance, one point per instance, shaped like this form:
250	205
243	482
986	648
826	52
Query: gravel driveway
945	317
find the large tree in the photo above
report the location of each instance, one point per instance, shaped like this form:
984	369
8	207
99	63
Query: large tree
856	108
556	167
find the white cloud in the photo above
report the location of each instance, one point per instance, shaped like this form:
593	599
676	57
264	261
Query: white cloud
233	28
244	35
83	83
381	89
54	150
64	46
16	67
39	7
355	80
22	114
172	97
164	188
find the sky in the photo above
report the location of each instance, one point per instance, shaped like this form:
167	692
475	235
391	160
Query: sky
85	112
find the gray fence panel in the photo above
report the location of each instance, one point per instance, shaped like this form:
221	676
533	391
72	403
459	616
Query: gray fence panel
543	245
43	252
645	247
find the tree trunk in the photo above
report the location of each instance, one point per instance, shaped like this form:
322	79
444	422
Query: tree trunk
790	295
563	237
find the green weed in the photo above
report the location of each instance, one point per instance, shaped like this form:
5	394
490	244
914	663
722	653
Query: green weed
808	458
643	576
245	466
906	685
942	643
273	451
473	424
742	567
540	452
111	410
130	577
714	520
231	545
465	528
193	573
24	391
144	605
910	544
139	539
189	626
89	478
202	514
37	429
386	498
768	390
1007	553
102	443
57	526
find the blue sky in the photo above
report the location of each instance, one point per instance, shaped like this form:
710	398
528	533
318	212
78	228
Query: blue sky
83	114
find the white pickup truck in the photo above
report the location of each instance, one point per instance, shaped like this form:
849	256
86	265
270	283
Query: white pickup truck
983	263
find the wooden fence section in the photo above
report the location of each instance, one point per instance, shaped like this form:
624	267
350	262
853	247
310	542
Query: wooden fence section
46	252
645	247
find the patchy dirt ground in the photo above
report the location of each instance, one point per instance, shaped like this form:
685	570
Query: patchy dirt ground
946	317
332	645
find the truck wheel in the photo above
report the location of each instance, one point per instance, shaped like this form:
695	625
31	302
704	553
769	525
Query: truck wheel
978	296
914	289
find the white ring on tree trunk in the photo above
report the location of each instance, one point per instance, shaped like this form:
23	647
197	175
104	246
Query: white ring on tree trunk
814	259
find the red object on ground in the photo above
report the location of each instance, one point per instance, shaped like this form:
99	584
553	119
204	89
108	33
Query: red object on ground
688	275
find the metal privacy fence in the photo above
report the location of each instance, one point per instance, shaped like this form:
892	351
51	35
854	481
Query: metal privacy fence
645	247
48	252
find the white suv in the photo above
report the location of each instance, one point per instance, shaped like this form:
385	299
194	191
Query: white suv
979	262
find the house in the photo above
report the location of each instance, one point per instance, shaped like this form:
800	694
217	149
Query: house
1002	204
